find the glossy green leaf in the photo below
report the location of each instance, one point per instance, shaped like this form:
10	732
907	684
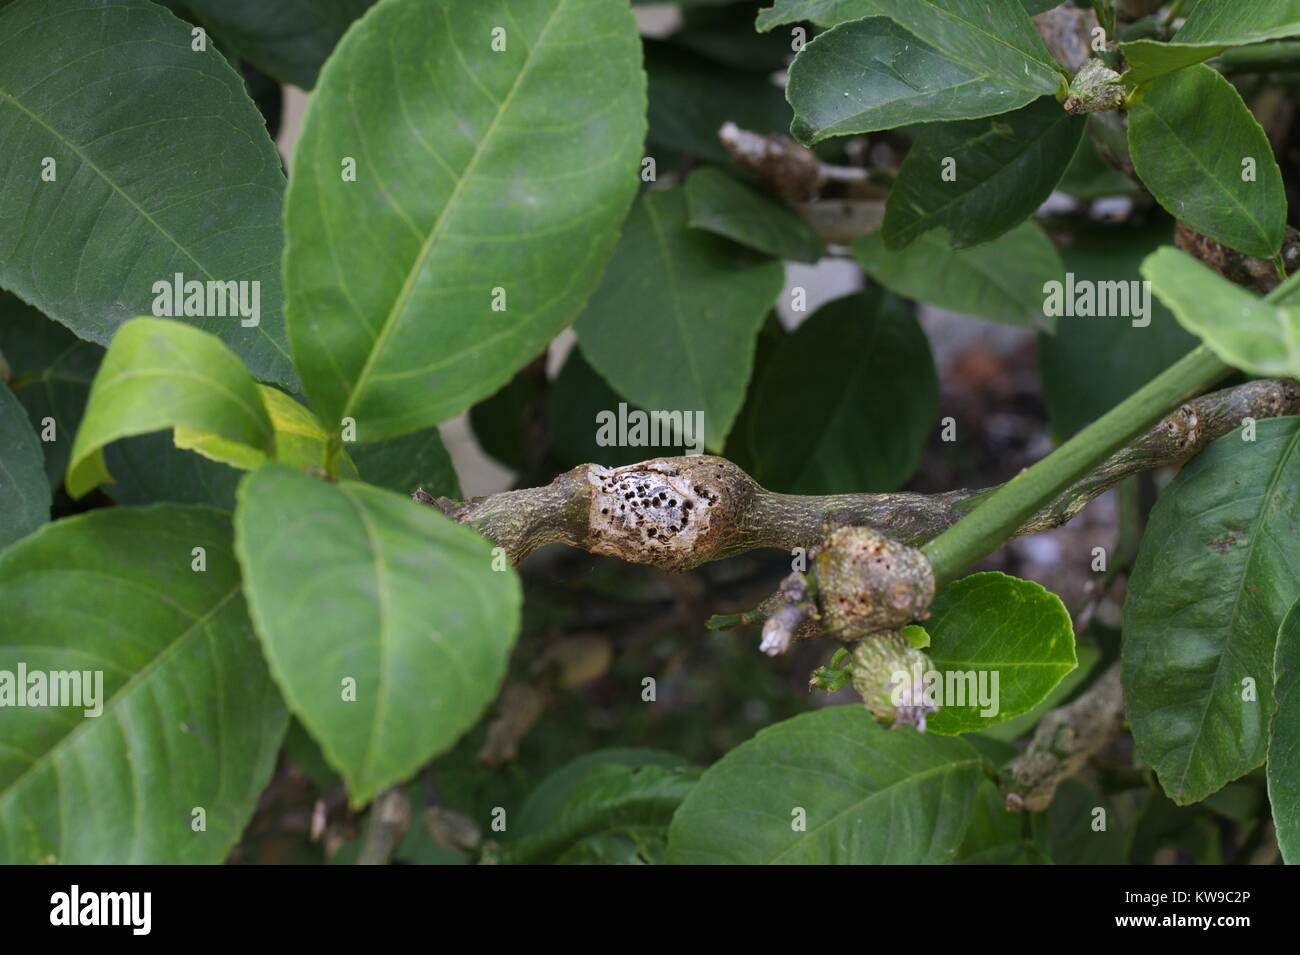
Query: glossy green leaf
1149	60
1002	645
162	166
979	178
418	460
50	373
1088	654
299	440
1090	177
1234	24
1199	150
1094	362
1218	568
719	204
1210	28
1284	739
160	374
609	802
150	469
189	718
998	837
1245	331
672	325
992	36
824	13
861	422
725	34
828	13
488	195
864	794
578	403
504	424
548	798
385	624
684	123
288	39
1072	818
1001	280
23	489
871	74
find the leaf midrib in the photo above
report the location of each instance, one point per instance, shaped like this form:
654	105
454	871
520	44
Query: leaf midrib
124	692
1252	540
975	28
859	804
408	286
1206	173
112	184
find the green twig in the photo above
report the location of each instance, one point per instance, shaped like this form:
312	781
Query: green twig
995	521
1001	513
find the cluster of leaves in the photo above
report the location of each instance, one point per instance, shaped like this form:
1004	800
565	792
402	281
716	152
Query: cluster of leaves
464	188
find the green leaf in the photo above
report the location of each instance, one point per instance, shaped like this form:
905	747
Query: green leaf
1088	655
1210	29
998	837
1005	168
990	627
190	718
1088	176
1190	135
574	409
1149	60
1245	331
403	464
1217	570
162	167
864	794
150	469
824	13
725	34
1284	739
503	424
23	488
719	204
51	373
871	74
1001	280
860	422
672	325
1073	814
684	123
352	583
545	802
507	171
1234	24
288	41
299	439
828	13
991	36
160	374
1094	362
609	801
